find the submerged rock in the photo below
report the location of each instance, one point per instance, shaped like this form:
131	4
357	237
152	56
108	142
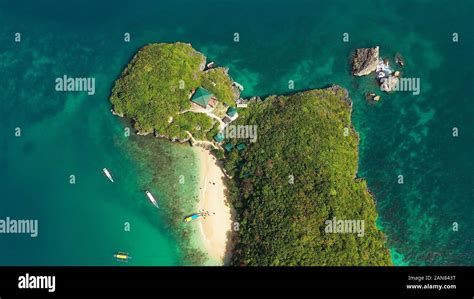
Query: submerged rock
365	61
399	60
372	96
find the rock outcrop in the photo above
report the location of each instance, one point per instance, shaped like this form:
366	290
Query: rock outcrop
389	84
116	113
365	61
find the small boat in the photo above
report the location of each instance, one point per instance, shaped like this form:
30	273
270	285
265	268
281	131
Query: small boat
192	217
108	174
151	198
122	256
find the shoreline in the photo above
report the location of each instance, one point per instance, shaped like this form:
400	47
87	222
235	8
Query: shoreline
215	228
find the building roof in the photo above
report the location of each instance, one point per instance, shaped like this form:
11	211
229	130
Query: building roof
231	111
228	147
201	97
241	146
219	137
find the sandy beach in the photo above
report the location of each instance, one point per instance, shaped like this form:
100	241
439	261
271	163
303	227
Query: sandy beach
216	224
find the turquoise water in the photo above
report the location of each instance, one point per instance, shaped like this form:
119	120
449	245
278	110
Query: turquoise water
72	133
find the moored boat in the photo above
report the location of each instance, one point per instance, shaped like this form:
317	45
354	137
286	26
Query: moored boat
108	174
122	256
191	217
151	198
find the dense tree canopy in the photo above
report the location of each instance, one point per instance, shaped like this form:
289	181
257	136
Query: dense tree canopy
156	86
300	173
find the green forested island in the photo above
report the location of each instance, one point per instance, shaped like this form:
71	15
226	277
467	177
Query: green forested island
299	174
155	89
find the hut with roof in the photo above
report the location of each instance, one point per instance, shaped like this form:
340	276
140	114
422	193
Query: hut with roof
203	98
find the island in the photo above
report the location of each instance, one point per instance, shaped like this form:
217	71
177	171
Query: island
280	191
168	90
300	173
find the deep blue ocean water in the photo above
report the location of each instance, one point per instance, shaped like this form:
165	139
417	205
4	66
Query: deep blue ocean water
72	133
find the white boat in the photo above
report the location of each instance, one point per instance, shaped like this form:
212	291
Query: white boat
107	174
151	198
